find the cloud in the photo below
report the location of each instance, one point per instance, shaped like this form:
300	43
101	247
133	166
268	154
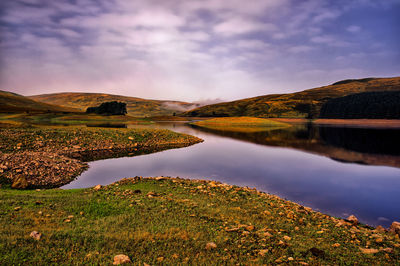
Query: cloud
353	28
242	26
180	49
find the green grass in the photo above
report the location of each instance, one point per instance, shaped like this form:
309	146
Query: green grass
175	226
240	124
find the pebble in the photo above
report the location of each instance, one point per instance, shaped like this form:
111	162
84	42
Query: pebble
121	259
211	245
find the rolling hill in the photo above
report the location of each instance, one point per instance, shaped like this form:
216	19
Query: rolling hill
15	103
136	107
304	104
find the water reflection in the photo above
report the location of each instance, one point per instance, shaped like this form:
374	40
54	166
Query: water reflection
279	166
356	145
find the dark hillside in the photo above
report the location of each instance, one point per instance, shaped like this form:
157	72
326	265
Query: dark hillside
371	105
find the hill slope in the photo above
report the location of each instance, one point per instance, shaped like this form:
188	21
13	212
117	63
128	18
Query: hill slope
11	102
135	106
300	104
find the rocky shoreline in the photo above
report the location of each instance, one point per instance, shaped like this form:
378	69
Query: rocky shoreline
36	158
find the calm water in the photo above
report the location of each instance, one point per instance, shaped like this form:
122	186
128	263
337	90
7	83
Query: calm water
323	168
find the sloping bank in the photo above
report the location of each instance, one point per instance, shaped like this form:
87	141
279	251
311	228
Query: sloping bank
165	221
53	156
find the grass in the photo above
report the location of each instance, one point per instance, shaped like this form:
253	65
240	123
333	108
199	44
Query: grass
136	107
303	104
71	119
240	124
170	221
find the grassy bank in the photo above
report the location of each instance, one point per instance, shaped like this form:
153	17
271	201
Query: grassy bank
173	221
240	124
53	156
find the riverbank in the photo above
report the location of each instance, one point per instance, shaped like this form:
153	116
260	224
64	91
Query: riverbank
44	157
177	221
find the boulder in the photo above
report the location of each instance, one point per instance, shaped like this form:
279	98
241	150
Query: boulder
19	182
352	219
211	245
395	228
121	259
35	235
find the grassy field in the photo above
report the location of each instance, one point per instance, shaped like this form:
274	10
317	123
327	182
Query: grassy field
12	102
136	107
240	124
174	221
303	104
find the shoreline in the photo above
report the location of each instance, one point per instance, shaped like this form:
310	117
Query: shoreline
53	157
163	220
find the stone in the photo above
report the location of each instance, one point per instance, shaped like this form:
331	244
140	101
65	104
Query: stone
369	250
211	245
380	229
352	219
263	252
35	235
317	252
152	194
121	259
395	228
19	182
98	187
250	227
388	250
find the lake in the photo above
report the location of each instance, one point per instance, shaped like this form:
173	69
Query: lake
334	170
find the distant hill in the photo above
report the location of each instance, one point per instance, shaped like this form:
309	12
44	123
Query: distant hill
11	102
302	104
137	107
370	105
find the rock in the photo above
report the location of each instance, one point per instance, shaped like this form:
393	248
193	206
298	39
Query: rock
369	250
211	245
380	229
234	229
388	250
250	227
263	252
152	194
35	235
352	219
20	182
121	259
317	252
98	187
395	228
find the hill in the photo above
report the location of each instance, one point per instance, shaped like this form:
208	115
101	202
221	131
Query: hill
137	107
302	104
15	103
371	105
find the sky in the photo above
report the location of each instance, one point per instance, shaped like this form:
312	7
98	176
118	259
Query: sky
194	50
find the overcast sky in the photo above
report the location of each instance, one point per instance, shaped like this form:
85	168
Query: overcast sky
194	49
